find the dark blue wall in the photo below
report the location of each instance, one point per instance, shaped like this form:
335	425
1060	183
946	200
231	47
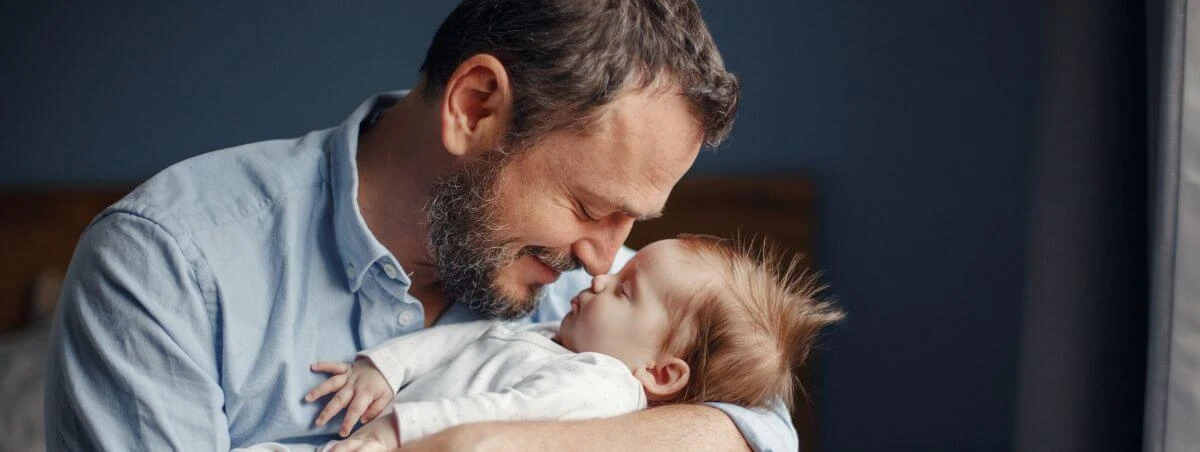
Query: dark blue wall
916	120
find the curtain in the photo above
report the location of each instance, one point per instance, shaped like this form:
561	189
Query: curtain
1172	416
1084	320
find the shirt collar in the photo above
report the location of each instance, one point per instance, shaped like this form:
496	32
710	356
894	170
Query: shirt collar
358	247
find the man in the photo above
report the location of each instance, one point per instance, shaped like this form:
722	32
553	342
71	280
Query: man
538	133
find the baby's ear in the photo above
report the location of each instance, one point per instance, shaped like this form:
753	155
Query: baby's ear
664	378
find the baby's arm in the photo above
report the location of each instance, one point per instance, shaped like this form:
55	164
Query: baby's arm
586	386
367	385
403	359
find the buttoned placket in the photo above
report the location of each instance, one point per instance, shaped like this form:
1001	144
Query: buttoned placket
388	310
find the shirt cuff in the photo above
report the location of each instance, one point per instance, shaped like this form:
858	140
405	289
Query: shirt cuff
765	430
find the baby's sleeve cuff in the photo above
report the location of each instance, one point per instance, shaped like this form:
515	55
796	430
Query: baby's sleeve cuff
386	365
411	425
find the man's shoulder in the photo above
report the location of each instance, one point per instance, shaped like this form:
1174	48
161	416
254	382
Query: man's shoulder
223	186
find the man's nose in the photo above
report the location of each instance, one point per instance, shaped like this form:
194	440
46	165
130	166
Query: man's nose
597	251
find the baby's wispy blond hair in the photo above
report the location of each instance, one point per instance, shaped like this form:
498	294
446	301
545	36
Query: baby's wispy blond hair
746	332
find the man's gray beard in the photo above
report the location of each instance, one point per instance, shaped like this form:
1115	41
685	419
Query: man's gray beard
468	245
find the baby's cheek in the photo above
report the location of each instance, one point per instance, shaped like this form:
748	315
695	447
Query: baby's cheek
585	335
598	337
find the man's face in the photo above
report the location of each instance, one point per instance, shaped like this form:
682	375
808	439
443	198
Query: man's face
501	227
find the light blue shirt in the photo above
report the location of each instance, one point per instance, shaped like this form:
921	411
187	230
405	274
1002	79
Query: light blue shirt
193	307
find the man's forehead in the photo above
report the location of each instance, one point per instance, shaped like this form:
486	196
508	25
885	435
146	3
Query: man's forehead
642	145
653	125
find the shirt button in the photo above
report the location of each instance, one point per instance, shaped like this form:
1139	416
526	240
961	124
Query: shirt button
405	318
391	271
350	270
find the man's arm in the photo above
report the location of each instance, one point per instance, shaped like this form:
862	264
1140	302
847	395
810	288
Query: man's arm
717	426
671	427
132	359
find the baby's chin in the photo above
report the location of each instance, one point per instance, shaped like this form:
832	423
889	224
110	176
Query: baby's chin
566	333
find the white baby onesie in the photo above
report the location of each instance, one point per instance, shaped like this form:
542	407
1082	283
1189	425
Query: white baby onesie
494	371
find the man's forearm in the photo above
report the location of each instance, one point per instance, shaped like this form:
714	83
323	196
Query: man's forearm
672	427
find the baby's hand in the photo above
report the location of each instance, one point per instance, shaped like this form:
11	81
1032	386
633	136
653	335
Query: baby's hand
360	385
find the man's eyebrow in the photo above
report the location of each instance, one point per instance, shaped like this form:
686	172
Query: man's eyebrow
624	207
640	216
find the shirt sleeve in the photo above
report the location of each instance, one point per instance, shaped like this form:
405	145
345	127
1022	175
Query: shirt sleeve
765	430
586	386
132	358
403	359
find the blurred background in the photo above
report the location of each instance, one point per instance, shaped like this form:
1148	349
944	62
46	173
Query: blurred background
961	154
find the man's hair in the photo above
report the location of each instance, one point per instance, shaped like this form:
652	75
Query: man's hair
567	58
746	334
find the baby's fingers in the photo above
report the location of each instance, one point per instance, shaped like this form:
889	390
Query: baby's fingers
377	407
330	367
331	384
353	413
335	405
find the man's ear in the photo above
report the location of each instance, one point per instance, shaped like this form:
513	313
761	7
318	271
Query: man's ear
475	106
663	379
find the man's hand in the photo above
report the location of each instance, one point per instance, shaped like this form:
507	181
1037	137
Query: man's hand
359	385
466	437
359	445
377	436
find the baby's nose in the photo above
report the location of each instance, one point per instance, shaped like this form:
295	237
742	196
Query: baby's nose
600	282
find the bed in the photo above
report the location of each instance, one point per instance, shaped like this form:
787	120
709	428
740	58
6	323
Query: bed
39	228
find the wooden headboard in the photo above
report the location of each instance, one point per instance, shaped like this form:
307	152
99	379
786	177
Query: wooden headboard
39	228
38	231
781	209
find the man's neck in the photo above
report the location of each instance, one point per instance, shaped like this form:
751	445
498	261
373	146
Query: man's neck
399	159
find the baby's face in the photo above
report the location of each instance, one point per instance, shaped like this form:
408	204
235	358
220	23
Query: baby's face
625	315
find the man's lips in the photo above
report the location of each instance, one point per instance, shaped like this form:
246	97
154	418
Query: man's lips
543	262
558	267
550	274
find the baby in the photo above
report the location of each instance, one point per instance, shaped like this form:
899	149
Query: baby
687	320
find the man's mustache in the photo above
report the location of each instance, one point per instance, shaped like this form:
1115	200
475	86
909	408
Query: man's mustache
562	261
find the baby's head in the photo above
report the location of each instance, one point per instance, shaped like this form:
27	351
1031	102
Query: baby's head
700	319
